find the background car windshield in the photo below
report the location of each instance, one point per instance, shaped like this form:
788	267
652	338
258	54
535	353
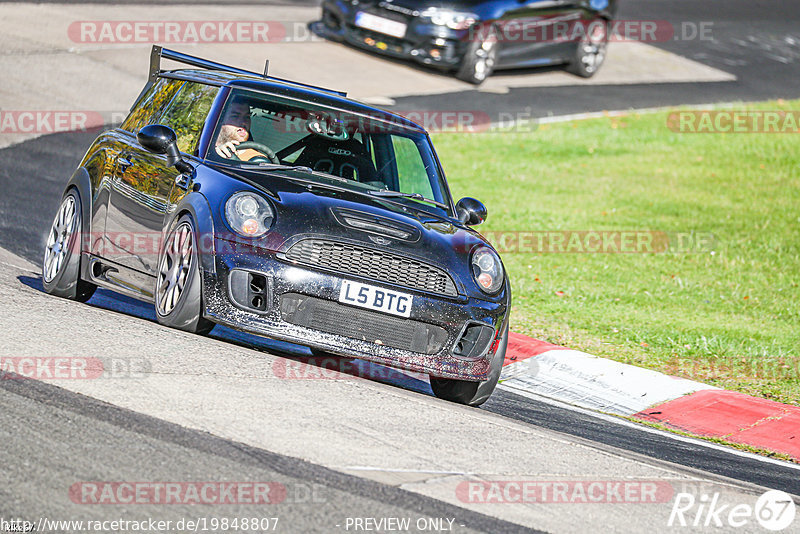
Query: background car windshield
368	153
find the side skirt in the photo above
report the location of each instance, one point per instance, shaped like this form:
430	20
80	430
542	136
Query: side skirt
115	277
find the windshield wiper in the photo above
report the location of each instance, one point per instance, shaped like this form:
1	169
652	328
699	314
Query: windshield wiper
300	168
386	193
413	196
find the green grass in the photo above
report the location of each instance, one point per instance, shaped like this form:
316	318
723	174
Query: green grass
728	315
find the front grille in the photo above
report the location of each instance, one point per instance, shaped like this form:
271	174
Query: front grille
364	325
372	264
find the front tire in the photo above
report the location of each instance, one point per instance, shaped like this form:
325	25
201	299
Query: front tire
61	266
178	295
590	53
479	61
468	392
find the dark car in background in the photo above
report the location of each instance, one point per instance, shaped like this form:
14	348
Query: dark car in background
473	38
288	211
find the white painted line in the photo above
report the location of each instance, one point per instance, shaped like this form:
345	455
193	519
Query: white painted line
420	471
21	268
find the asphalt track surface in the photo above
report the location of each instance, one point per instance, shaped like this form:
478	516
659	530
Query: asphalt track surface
66	437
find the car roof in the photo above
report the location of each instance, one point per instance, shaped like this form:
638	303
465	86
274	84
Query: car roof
289	89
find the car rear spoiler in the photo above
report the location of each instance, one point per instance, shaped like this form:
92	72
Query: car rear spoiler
158	53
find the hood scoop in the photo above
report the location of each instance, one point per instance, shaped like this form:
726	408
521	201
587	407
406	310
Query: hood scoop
376	225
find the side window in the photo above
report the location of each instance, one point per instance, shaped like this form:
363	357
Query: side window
411	170
149	107
187	114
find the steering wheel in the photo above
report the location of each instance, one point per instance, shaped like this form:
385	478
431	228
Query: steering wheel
264	149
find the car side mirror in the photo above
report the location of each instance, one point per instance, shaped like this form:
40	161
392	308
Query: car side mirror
471	211
160	139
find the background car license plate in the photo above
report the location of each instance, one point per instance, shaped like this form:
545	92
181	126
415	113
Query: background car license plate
375	298
380	24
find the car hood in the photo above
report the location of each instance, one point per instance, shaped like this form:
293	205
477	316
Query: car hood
311	211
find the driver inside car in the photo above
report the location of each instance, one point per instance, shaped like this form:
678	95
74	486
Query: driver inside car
235	130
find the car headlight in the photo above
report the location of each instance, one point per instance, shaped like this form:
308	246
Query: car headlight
455	20
487	270
248	214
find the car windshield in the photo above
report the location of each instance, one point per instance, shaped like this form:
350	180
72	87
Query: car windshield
363	153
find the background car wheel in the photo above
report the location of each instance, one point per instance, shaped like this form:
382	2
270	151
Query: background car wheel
61	267
479	61
591	50
472	393
178	296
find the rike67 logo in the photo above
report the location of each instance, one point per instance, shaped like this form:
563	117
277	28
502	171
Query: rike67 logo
774	510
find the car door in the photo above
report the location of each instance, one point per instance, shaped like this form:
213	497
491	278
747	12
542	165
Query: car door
532	32
143	184
124	221
137	206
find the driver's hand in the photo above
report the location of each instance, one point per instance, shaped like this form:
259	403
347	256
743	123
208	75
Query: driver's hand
227	150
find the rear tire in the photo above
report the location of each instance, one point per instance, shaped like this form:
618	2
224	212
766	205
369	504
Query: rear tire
178	294
468	392
61	266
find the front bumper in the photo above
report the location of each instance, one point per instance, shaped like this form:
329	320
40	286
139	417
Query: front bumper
427	44
286	281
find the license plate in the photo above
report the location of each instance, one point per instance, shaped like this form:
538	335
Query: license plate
381	25
376	298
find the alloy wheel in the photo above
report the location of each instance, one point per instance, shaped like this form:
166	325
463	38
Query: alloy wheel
593	47
60	237
174	270
484	63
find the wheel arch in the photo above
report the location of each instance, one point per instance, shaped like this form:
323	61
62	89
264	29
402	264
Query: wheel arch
82	183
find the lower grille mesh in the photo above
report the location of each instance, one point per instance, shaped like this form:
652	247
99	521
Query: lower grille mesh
334	318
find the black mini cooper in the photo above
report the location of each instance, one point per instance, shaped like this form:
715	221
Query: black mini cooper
287	211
